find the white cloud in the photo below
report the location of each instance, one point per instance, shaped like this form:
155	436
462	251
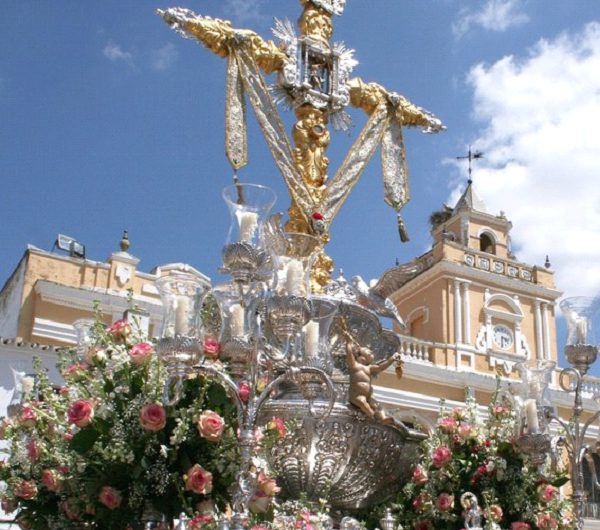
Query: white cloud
164	57
495	15
244	10
540	136
114	52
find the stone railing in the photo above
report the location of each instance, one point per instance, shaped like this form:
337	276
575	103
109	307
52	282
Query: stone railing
413	349
492	263
591	386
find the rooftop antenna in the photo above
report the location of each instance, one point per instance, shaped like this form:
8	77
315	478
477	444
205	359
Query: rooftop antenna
472	155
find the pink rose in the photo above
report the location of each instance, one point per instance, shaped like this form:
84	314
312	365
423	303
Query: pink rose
500	411
212	347
545	521
459	414
51	479
419	475
447	425
119	330
211	425
445	502
520	525
259	527
495	513
81	413
547	492
26	490
421	501
77	371
33	450
267	485
198	480
259	502
244	390
466	431
110	497
153	417
200	520
28	416
141	353
441	456
5	424
279	424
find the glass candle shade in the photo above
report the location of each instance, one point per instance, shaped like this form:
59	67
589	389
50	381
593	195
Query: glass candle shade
249	205
579	312
83	330
293	261
239	321
534	396
235	320
181	342
182	295
317	349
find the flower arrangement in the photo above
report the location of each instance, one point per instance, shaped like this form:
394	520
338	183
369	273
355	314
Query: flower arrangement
465	454
104	449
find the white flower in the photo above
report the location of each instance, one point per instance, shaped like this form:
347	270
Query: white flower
27	383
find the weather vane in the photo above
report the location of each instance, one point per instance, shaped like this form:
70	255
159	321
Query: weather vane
314	79
470	157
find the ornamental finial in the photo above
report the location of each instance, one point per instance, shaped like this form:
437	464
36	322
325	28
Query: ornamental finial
124	243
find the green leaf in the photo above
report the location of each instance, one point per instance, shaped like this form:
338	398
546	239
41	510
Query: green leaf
83	441
560	481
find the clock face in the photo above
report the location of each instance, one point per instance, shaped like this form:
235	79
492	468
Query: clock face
503	337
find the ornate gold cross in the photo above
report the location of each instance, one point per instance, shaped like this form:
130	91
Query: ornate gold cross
313	79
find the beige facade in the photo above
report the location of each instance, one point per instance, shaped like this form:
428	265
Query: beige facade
48	292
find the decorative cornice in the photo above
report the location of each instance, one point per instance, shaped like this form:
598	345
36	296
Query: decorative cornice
452	269
111	301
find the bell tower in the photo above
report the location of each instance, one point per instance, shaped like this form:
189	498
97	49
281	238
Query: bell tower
474	306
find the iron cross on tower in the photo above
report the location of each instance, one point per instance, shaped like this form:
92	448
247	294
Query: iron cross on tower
470	157
314	79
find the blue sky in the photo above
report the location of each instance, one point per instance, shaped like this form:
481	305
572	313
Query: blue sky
111	121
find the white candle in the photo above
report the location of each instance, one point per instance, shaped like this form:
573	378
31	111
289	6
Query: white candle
311	339
581	331
248	225
237	320
531	413
294	278
181	316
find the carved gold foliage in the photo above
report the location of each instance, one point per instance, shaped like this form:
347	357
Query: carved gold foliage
315	22
312	139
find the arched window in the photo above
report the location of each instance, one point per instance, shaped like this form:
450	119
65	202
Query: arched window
416	320
486	243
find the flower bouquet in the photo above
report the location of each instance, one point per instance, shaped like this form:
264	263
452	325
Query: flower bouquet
466	454
104	450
